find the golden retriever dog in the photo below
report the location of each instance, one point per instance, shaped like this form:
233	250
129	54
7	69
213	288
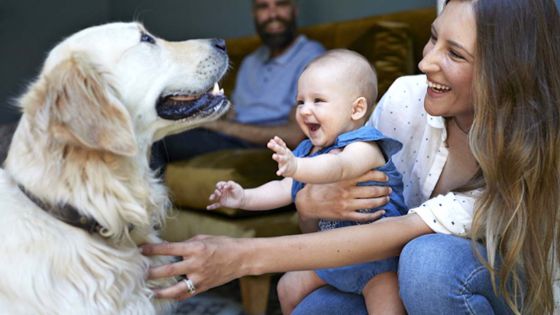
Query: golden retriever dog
77	195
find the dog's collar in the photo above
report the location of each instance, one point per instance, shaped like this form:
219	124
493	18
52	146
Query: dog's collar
66	213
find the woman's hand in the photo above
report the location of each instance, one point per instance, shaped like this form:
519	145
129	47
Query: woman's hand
341	200
208	261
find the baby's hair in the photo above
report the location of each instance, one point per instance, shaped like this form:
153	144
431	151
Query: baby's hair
354	67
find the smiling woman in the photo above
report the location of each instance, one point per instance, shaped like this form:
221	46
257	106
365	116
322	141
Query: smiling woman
449	64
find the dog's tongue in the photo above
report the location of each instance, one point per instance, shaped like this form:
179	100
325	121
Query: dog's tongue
183	98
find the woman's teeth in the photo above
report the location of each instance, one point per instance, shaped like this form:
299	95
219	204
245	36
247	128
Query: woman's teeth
438	87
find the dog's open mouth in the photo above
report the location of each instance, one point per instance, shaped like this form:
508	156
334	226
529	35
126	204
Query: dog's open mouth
177	106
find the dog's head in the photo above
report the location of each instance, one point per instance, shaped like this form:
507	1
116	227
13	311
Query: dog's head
116	87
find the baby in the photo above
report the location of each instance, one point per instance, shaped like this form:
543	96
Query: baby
336	93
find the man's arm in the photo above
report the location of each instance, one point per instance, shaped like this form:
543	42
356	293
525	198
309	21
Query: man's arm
290	132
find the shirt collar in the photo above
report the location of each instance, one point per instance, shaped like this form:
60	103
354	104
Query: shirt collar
288	54
436	121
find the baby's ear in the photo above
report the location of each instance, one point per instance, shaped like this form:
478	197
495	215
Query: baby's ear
359	108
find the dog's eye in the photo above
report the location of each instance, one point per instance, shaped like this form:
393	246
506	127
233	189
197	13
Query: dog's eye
147	38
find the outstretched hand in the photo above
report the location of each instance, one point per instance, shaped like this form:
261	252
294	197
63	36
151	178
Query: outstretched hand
287	162
208	261
227	194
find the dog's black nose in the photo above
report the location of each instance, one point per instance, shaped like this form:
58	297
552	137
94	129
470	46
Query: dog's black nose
219	43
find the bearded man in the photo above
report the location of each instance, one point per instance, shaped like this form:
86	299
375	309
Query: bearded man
264	95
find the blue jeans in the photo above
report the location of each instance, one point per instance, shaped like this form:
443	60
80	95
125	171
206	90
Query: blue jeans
438	274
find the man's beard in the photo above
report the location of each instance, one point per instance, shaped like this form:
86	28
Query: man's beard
277	41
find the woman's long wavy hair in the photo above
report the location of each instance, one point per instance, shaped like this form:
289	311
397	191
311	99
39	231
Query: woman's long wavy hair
515	138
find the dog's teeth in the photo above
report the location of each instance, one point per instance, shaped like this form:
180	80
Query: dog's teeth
216	89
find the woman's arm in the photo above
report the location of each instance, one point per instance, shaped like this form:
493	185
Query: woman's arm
338	247
212	261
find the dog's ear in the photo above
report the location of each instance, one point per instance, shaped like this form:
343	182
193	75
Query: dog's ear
85	109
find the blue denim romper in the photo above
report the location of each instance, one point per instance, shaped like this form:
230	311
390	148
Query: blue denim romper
353	278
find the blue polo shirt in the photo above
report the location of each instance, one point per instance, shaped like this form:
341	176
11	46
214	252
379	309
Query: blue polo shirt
266	89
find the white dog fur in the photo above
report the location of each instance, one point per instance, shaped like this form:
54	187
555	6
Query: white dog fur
83	140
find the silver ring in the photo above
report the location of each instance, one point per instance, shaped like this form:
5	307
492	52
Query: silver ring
190	286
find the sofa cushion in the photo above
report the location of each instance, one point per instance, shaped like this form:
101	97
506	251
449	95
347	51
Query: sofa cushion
191	182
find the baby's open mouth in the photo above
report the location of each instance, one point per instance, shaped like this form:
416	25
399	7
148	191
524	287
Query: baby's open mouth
313	127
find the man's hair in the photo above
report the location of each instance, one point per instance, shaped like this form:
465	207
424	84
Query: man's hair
295	2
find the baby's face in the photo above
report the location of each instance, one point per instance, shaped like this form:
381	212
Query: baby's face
324	104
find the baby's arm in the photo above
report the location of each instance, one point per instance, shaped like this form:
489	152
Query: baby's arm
354	160
271	195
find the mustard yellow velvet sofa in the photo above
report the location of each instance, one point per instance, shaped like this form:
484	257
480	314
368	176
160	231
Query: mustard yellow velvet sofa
392	43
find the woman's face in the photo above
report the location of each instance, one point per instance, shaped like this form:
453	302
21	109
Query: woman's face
449	62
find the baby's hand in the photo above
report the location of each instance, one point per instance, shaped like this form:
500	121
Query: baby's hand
287	162
227	194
